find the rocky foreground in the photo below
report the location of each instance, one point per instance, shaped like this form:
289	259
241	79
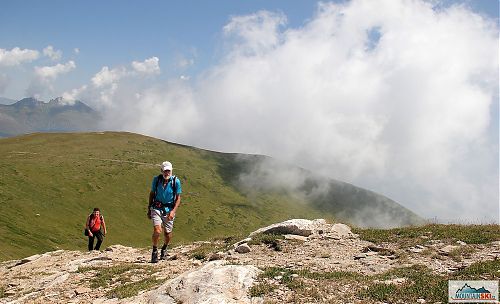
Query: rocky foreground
297	261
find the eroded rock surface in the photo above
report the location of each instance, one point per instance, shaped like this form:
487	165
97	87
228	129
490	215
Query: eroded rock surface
225	275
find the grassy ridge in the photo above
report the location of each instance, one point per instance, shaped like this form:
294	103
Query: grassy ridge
50	182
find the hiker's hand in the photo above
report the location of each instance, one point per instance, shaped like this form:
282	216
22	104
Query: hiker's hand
171	215
90	234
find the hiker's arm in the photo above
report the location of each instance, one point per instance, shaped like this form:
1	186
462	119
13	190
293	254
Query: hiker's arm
104	225
87	226
171	215
151	199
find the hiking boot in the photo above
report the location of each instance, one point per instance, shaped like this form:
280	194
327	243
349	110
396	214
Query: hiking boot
154	257
163	254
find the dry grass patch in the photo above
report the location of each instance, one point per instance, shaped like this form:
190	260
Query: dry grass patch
419	235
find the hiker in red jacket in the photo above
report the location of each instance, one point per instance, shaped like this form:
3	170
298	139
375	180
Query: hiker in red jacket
95	227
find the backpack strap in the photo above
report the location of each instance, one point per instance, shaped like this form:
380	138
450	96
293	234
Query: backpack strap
174	188
174	192
157	182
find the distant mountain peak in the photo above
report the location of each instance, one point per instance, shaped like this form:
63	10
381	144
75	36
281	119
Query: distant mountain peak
59	114
61	101
29	102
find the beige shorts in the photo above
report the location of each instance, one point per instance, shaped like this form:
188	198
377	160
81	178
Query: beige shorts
158	219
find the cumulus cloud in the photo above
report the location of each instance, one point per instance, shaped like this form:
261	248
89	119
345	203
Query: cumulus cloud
76	51
393	96
256	33
52	72
102	91
17	56
106	77
148	66
51	53
44	77
72	95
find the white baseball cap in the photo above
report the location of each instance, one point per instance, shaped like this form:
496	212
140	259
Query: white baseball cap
166	166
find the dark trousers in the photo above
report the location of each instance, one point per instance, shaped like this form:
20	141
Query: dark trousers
99	236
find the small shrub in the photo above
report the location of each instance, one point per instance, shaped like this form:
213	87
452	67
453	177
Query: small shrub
2	292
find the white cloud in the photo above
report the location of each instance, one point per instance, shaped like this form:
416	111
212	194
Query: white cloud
255	33
51	53
185	63
393	96
44	77
73	94
107	77
16	56
76	51
106	83
148	66
52	72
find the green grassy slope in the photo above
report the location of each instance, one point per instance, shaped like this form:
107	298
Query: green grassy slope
50	183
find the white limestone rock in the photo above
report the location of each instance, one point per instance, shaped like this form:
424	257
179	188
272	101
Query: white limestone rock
243	248
301	227
342	230
213	283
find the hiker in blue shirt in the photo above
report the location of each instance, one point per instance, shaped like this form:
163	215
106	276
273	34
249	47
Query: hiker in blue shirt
164	199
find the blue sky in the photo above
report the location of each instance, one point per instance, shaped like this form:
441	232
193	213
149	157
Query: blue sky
397	96
112	33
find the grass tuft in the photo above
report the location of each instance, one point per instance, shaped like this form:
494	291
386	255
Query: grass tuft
132	289
419	235
461	252
104	276
261	289
486	270
379	291
420	282
270	239
205	249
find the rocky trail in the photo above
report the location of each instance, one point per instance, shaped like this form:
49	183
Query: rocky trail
297	261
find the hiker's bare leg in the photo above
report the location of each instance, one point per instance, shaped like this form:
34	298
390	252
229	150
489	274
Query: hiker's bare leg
156	235
167	237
